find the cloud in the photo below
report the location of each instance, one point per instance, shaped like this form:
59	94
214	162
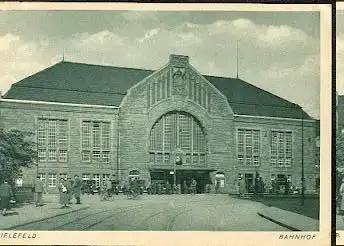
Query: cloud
103	38
149	34
278	58
19	59
7	41
299	84
262	35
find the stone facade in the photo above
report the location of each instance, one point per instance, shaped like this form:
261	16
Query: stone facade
177	87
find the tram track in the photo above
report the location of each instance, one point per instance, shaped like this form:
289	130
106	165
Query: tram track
55	223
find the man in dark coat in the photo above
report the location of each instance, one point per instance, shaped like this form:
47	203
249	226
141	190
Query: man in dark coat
38	190
77	188
5	195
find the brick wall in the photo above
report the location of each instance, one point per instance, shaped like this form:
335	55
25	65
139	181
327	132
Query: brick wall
24	116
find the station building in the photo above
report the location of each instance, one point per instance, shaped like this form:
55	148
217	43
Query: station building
102	121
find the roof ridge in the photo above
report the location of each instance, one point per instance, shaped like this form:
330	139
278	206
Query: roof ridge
108	66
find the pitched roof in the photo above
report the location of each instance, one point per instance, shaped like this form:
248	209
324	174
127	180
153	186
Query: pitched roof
70	82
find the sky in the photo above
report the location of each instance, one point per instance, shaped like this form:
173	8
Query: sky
277	51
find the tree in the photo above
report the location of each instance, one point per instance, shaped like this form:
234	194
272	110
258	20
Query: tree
17	150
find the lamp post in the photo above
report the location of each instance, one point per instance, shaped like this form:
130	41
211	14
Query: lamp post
174	175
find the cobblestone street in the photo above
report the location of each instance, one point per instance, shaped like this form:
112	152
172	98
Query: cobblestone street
205	212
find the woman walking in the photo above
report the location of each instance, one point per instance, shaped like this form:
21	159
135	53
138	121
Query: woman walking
64	195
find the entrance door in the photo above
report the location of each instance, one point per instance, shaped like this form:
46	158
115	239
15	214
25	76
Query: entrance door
249	182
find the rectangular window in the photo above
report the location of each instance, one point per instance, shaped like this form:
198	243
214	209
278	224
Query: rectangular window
167	159
42	133
96	179
105	157
96	135
62	155
86	135
104	178
96	156
105	136
42	155
52	180
52	137
95	142
168	133
52	155
86	156
248	147
52	133
281	148
86	176
62	133
43	177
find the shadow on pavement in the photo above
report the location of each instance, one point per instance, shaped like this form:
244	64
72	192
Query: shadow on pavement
310	208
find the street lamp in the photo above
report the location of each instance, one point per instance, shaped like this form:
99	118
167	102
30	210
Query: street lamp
178	161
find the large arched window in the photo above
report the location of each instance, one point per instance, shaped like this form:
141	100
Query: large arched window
177	130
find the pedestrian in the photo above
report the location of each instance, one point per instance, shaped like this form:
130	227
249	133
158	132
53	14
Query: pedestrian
64	196
38	191
242	187
193	186
287	187
108	186
217	186
159	188
69	190
185	187
5	195
77	188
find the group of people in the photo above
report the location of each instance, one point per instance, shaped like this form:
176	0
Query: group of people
165	187
67	189
258	187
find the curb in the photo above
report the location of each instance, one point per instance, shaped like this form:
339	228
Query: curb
278	222
45	218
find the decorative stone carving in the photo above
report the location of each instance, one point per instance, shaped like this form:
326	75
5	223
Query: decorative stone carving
179	78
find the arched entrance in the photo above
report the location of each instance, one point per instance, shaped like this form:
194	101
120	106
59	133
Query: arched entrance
219	181
174	132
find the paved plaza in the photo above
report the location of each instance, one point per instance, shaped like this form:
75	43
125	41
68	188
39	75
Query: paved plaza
201	212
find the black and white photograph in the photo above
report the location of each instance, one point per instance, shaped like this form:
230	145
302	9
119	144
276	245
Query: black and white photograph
161	120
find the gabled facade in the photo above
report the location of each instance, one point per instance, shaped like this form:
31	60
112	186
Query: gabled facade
99	121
